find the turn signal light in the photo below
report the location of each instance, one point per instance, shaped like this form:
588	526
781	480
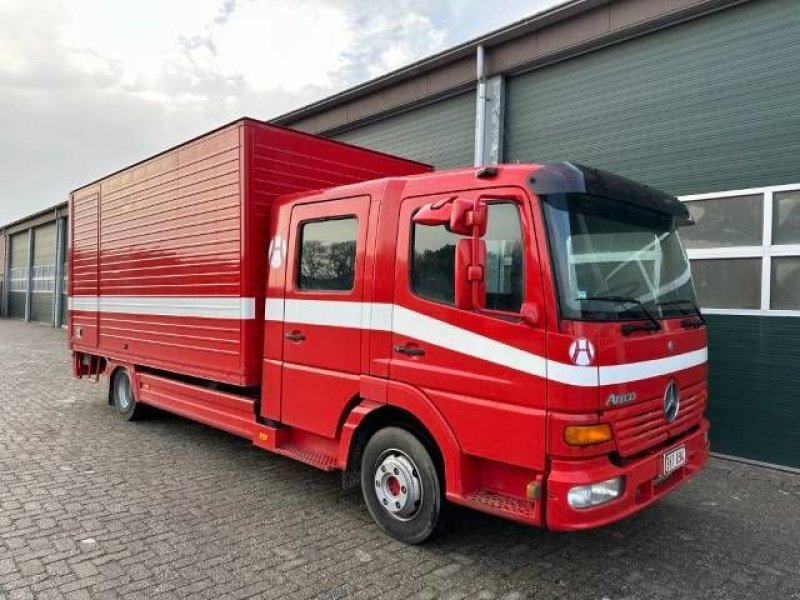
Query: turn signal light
586	435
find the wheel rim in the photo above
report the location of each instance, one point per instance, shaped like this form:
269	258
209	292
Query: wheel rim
123	392
397	485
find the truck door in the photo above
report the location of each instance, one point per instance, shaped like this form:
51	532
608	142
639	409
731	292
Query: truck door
485	373
322	314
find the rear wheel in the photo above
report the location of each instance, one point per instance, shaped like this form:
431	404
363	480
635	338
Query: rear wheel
401	485
122	396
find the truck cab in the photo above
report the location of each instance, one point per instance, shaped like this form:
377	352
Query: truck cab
519	339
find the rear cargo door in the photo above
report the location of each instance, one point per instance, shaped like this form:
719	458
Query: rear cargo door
84	269
322	320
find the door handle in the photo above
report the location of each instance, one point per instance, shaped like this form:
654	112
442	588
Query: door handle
295	336
409	350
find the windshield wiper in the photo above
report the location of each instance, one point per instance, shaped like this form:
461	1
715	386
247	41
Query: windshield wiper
628	328
699	318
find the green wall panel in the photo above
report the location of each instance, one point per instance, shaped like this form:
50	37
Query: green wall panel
442	134
42	307
44	245
19	250
754	387
712	104
18	259
16	305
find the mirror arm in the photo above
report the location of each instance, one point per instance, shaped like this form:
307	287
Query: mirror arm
477	272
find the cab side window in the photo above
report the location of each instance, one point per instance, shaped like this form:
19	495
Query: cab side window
433	263
327	255
433	260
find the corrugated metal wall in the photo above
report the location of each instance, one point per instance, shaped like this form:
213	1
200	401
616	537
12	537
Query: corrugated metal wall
441	134
18	280
754	396
44	265
710	104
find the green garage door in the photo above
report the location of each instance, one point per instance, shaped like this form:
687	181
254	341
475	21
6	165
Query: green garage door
711	104
44	270
441	134
18	275
754	391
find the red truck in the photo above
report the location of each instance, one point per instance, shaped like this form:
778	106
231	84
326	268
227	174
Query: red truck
523	340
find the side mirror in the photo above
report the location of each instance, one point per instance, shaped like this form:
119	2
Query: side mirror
466	218
435	213
469	275
458	215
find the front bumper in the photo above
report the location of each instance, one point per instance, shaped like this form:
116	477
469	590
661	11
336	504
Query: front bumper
643	483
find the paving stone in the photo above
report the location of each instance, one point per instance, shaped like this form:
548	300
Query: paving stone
92	507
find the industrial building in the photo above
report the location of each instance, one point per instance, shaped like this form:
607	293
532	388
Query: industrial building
698	97
33	255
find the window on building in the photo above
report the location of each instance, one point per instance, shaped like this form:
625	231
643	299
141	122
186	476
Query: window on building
433	260
786	218
785	283
44	278
745	250
18	279
728	282
328	255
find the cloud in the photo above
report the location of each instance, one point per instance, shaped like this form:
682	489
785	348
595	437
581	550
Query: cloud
89	86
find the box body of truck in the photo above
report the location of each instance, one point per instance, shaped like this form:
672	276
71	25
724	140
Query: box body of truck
168	258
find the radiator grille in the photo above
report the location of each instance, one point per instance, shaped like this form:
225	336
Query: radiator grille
642	425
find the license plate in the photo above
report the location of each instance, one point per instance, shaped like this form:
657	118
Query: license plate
674	459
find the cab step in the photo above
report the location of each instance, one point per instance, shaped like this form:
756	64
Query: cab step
304	447
317	459
500	504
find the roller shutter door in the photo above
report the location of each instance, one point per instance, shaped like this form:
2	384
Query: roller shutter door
711	104
44	269
18	275
441	134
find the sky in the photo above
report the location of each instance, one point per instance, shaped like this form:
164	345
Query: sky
90	86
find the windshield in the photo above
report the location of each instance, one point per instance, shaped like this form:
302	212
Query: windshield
616	261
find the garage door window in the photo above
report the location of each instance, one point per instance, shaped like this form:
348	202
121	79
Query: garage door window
745	250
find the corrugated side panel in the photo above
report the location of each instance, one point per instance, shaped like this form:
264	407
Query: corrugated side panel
170	229
182	263
281	161
83	263
754	399
713	103
441	134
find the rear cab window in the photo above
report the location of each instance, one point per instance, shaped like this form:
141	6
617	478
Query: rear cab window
327	254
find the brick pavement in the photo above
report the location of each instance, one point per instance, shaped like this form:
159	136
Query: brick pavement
91	507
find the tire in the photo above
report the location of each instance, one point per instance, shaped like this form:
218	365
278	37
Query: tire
401	486
122	396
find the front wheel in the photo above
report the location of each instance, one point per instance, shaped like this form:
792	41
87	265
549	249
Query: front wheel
401	485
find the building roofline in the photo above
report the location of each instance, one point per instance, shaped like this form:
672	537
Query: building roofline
558	33
52	209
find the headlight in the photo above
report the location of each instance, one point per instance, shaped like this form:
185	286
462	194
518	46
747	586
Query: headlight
584	496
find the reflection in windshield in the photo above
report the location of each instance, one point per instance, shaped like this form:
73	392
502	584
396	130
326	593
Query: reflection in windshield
603	247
